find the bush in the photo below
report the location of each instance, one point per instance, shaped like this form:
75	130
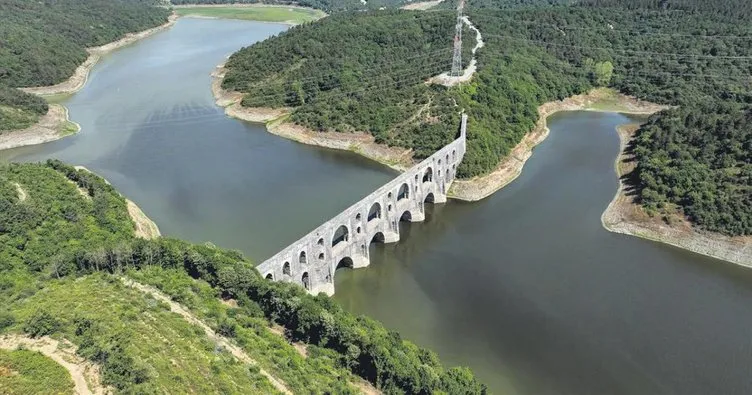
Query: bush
42	323
7	319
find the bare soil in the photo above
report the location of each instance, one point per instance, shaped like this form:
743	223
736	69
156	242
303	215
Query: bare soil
22	195
79	77
275	119
50	127
145	227
625	215
421	5
85	374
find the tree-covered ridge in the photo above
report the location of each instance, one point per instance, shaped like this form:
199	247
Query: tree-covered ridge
66	238
357	72
43	42
699	159
734	9
698	60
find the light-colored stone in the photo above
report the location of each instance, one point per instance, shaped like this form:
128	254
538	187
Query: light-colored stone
311	261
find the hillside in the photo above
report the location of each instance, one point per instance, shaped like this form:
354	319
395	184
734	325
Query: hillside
67	248
44	42
699	60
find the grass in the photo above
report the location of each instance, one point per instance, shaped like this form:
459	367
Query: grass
608	101
29	372
14	118
69	128
318	373
292	15
176	355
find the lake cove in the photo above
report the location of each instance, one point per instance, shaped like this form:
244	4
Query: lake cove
525	287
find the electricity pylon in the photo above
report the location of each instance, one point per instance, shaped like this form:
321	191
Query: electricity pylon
457	56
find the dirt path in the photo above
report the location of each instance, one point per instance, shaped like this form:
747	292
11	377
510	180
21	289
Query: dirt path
22	195
236	351
447	80
85	375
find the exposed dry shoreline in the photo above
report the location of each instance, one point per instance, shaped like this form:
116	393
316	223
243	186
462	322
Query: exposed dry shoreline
80	76
52	126
421	5
276	123
480	187
625	216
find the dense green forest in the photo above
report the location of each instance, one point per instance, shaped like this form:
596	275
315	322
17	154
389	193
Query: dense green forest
65	241
689	54
357	72
42	43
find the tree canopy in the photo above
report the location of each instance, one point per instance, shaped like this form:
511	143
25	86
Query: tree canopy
693	54
43	42
61	227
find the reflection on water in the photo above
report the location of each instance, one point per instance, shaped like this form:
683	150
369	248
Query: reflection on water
529	289
525	287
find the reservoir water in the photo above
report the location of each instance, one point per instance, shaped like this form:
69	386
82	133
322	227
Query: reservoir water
525	287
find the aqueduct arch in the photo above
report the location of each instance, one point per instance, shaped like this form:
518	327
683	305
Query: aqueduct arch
343	241
342	234
374	212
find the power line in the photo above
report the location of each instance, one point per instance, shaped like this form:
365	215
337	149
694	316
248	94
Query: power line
637	33
637	52
380	67
373	88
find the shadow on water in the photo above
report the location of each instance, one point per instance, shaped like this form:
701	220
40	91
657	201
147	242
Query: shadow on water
525	287
529	289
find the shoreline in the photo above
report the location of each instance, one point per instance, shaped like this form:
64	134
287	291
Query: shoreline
481	187
81	75
144	227
275	120
50	127
625	216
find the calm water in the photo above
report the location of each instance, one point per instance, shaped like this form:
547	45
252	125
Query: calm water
525	287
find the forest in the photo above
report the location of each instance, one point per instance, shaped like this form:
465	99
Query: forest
66	241
42	43
694	55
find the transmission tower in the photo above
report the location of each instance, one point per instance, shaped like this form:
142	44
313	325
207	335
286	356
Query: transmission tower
457	57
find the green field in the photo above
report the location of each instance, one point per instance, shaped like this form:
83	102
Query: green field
255	13
30	372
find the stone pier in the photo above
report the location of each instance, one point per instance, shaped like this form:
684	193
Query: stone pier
343	241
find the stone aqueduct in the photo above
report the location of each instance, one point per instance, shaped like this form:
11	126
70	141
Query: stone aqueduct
344	240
